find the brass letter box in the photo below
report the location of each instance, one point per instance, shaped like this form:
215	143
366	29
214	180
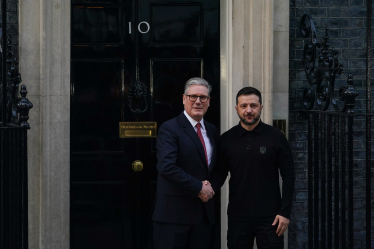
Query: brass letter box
137	129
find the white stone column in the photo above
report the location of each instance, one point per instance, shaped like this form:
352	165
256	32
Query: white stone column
252	50
45	67
29	50
260	52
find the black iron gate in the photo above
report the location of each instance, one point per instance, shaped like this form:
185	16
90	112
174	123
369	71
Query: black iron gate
13	148
331	136
331	182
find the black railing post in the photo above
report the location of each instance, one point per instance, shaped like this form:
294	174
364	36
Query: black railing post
323	181
2	178
350	181
310	181
24	231
336	182
316	181
329	182
343	182
368	123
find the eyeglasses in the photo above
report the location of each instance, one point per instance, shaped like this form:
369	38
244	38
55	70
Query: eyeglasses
193	98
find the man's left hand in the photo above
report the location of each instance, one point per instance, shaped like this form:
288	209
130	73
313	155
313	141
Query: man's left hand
282	224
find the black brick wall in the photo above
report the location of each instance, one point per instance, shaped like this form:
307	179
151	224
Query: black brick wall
346	24
12	22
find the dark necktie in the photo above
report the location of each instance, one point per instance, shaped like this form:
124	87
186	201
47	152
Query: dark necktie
198	125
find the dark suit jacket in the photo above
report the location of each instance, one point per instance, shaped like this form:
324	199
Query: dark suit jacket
181	169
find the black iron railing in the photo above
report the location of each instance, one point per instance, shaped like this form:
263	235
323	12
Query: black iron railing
13	148
331	179
330	143
368	122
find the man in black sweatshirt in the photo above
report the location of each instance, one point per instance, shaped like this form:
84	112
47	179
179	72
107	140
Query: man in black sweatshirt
253	152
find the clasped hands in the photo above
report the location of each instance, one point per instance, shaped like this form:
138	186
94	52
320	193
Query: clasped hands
206	192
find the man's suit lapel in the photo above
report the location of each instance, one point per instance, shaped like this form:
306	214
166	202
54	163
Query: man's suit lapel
192	134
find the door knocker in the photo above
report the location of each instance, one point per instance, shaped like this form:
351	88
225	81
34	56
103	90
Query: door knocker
138	97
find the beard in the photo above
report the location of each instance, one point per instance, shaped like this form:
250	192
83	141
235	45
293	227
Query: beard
254	119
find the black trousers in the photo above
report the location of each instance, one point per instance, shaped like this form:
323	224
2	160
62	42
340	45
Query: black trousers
180	236
243	230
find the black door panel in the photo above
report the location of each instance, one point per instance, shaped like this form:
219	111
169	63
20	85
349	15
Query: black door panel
90	24
181	25
100	216
96	105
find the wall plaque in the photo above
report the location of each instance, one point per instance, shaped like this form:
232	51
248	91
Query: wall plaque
137	129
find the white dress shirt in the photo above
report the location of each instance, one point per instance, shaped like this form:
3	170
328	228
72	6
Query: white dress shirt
208	145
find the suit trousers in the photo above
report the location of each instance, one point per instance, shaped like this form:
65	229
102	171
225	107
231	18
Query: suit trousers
182	236
243	230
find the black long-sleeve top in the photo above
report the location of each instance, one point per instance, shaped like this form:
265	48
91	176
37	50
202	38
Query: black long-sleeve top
253	159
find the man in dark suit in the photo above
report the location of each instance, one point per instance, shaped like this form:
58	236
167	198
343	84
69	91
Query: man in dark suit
186	151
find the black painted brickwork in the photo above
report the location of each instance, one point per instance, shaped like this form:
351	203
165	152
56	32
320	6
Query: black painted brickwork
12	22
346	22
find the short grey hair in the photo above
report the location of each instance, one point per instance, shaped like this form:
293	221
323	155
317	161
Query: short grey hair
197	81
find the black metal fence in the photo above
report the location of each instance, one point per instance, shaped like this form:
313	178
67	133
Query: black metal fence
331	137
13	148
13	188
331	160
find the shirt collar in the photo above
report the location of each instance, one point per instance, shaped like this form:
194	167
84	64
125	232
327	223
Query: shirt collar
193	121
257	129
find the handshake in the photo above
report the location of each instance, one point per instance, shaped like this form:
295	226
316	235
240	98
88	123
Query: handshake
206	192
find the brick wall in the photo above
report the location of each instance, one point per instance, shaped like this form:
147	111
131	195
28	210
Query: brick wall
12	22
346	22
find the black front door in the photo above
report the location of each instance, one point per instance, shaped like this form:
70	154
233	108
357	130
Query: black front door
118	46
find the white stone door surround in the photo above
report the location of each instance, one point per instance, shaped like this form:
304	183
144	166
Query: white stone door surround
248	58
